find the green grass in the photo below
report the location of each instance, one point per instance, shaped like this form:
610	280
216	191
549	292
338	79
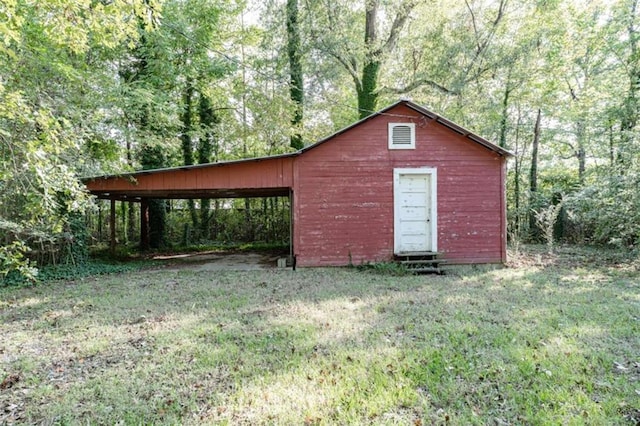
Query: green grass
549	340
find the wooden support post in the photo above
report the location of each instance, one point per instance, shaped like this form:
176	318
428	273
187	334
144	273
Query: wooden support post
100	221
112	228
144	225
292	256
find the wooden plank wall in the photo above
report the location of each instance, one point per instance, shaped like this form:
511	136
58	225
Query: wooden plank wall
343	202
265	173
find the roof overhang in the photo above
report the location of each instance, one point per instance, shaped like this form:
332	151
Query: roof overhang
134	195
139	173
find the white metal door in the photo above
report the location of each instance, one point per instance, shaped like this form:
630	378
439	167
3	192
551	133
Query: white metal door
414	210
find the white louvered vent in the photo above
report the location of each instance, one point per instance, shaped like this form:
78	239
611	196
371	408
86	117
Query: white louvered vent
402	136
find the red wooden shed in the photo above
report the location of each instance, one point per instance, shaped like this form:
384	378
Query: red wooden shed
402	181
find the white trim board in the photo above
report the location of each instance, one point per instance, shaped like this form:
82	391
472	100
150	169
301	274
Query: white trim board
433	216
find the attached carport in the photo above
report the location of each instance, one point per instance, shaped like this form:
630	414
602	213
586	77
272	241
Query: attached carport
254	177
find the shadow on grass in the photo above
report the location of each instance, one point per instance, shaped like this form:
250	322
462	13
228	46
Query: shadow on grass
534	344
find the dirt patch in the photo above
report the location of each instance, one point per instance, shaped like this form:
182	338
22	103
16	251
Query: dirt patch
222	261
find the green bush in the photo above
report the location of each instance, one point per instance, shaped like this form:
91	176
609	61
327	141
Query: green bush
14	265
68	271
609	210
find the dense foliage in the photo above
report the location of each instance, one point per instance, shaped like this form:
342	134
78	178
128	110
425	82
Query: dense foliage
90	87
56	105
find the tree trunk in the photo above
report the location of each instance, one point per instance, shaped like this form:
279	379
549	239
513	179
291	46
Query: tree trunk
580	150
533	178
131	226
367	94
249	234
100	231
112	228
516	186
187	123
505	116
131	219
296	89
186	119
144	225
123	218
365	69
157	221
151	156
631	108
208	144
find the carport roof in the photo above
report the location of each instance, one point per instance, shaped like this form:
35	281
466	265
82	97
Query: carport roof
133	192
191	167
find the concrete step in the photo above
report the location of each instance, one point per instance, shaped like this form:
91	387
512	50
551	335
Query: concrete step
424	262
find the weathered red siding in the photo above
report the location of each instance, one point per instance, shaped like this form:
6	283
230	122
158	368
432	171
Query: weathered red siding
343	208
264	173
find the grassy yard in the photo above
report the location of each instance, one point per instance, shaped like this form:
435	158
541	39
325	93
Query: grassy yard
546	340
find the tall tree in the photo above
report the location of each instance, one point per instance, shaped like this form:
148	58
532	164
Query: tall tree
141	80
295	72
361	59
628	14
56	94
186	119
207	148
533	176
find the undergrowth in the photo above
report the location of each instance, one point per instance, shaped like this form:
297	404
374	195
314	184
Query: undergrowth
230	246
70	271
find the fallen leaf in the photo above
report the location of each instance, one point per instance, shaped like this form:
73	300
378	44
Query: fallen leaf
9	381
620	367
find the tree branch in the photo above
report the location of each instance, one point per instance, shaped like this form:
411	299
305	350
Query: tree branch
350	66
481	45
348	61
418	83
574	96
396	27
475	26
574	151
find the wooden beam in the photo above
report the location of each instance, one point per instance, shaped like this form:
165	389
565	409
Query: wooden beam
144	225
112	227
291	255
